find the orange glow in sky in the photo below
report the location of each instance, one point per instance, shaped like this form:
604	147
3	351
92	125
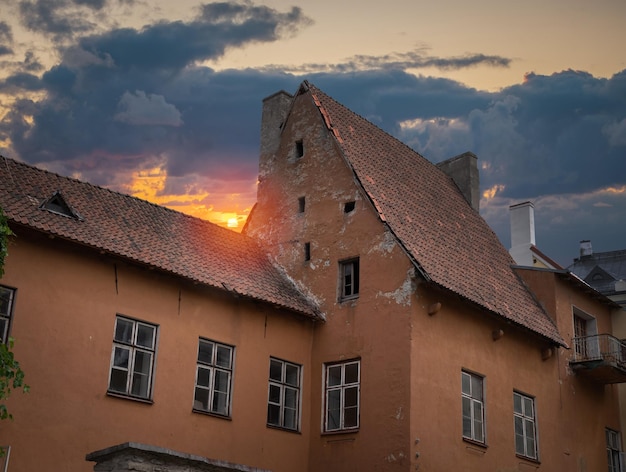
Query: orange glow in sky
149	185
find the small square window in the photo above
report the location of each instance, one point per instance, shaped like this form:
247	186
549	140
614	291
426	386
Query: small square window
342	396
7	296
307	251
283	402
349	207
301	204
214	373
132	359
472	396
299	149
349	279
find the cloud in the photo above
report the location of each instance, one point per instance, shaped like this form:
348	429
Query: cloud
59	18
172	45
142	109
6	38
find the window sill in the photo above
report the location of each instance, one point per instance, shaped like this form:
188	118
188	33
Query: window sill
481	445
280	428
340	432
352	298
123	396
536	462
210	413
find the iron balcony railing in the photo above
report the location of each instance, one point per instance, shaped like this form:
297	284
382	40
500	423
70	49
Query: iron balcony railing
602	347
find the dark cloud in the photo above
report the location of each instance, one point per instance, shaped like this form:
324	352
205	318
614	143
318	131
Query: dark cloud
6	39
174	45
58	18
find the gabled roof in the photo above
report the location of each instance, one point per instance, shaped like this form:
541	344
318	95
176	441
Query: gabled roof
448	241
607	267
148	234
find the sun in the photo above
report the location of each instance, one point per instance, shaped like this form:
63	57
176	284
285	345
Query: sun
232	223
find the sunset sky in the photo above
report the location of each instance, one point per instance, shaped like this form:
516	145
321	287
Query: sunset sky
161	99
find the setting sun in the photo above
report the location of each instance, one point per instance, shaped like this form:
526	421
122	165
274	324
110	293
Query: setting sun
232	223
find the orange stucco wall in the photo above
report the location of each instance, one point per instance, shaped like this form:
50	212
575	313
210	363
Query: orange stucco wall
64	316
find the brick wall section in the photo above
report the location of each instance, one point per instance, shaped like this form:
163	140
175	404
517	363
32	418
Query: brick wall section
137	457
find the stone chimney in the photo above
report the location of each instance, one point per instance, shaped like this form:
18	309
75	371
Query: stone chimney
585	248
522	216
463	169
275	109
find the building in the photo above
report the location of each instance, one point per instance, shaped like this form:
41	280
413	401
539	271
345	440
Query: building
367	319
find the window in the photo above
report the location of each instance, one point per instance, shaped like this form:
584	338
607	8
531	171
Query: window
613	450
473	407
301	203
132	360
6	309
348	207
349	273
585	342
299	148
213	377
307	251
525	425
342	396
283	402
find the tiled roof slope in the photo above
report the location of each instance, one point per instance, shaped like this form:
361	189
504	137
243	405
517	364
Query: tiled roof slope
148	234
424	208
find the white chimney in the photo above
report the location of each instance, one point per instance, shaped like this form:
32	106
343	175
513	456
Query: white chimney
522	217
585	248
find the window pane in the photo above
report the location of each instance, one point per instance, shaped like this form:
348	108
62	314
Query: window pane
530	447
528	407
201	399
352	373
205	352
517	403
143	362
273	414
289	421
351	417
222	381
351	397
140	385
6	295
145	336
120	359
291	398
466	384
223	356
124	331
292	375
274	394
118	380
477	387
334	375
276	370
204	377
333	409
4	325
220	403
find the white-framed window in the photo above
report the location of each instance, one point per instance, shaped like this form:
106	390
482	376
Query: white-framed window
472	389
342	395
7	295
525	425
132	359
613	450
214	374
349	278
283	398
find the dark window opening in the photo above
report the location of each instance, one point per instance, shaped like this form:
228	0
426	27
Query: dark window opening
301	203
348	207
307	251
299	148
57	204
349	273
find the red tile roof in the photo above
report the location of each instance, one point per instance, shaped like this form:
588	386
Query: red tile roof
449	241
147	234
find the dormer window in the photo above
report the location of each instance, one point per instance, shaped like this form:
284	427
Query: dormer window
299	149
57	204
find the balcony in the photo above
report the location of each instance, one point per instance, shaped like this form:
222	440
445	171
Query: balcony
600	358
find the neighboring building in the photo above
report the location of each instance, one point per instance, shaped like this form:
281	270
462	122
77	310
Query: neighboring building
387	330
606	272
